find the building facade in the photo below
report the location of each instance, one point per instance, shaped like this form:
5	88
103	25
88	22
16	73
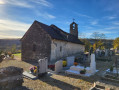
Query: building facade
42	41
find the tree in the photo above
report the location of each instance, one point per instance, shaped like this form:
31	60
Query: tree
13	48
116	43
97	35
102	36
98	44
87	44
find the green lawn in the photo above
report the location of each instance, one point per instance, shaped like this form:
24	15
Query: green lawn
17	55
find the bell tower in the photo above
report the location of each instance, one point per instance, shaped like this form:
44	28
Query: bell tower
74	29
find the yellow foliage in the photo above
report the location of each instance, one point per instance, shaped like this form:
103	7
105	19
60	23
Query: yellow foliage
116	43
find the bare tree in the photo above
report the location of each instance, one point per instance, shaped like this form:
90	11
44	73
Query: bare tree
95	35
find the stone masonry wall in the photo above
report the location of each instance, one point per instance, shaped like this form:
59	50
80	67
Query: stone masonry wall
61	49
38	37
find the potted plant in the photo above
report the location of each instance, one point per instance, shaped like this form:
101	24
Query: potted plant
64	63
111	68
83	71
52	67
75	63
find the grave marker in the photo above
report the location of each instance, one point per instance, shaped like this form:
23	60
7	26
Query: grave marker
58	66
70	60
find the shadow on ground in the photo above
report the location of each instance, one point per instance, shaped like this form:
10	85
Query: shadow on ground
54	82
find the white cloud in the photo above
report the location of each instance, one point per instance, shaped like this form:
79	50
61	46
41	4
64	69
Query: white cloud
115	23
2	2
45	15
12	29
94	22
112	28
34	5
20	3
27	3
42	2
13	25
3	36
82	15
110	17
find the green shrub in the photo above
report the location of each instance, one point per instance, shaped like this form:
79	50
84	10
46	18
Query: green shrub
111	68
83	71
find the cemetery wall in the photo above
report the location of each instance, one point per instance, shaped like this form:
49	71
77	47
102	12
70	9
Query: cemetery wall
61	49
36	44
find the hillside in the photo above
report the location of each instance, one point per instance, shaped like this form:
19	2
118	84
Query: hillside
7	43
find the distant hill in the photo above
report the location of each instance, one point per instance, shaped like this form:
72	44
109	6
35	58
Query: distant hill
6	43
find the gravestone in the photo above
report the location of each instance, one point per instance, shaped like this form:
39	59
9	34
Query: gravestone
93	64
70	61
43	64
97	52
106	52
58	66
111	52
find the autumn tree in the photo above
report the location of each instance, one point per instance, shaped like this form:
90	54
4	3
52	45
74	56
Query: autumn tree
98	40
87	44
116	43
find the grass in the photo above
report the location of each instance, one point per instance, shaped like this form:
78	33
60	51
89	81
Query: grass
18	55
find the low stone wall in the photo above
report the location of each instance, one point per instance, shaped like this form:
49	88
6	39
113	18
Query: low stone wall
10	78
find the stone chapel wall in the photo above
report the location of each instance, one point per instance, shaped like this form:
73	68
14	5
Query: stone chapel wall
61	49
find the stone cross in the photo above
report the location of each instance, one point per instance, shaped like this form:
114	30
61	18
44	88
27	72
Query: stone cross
93	64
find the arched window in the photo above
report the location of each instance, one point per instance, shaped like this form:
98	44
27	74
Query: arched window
73	26
34	47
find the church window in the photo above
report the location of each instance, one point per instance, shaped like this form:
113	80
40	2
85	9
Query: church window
34	47
60	48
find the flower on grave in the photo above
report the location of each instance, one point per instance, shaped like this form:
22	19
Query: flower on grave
33	69
52	67
64	63
75	63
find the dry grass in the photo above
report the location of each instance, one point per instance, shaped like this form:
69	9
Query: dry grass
60	81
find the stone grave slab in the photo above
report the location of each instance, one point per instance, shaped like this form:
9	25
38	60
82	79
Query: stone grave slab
29	75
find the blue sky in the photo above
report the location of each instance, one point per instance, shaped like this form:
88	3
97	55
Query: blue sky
101	16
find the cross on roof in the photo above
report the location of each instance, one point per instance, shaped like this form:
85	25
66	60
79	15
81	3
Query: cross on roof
73	19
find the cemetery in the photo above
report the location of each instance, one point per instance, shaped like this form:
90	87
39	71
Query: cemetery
88	71
92	70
